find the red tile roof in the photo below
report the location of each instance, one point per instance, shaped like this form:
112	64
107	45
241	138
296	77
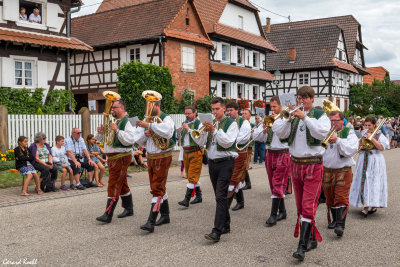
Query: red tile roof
396	81
188	36
245	3
240	71
344	66
42	39
114	4
378	73
244	36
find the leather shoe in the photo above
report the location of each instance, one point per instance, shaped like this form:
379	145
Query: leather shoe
212	236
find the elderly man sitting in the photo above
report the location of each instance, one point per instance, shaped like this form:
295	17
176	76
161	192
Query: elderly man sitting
35	17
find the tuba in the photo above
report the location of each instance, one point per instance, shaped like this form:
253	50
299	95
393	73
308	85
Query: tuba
151	98
108	119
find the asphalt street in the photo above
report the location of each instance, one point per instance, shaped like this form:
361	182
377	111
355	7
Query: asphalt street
63	231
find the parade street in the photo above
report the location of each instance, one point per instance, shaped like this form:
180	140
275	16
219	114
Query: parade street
61	230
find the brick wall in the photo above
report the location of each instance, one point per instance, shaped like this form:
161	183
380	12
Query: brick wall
198	80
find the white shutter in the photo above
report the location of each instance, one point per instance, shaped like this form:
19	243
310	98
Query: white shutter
11	10
233	93
233	54
42	74
251	58
8	72
219	88
246	55
52	15
250	92
218	54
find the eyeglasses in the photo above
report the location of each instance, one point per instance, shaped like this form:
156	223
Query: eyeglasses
302	98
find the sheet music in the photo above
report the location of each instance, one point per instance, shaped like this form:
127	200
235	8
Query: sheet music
260	112
205	117
133	120
287	99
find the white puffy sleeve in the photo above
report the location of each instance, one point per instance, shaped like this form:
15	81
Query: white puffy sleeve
281	128
319	128
244	133
349	146
140	138
164	129
126	136
227	139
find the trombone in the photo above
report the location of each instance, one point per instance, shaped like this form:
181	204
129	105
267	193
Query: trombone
366	143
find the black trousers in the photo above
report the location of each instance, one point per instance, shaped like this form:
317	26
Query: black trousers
45	171
220	176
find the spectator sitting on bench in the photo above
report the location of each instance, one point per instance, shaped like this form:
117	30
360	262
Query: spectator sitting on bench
78	157
95	156
43	162
61	162
22	164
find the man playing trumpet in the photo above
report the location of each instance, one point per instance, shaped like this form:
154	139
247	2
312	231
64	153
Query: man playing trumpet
277	163
192	157
338	160
304	132
158	162
240	169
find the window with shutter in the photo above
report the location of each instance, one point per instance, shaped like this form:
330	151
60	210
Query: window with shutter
188	58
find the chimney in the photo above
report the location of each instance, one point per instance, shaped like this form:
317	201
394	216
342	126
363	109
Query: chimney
292	54
268	28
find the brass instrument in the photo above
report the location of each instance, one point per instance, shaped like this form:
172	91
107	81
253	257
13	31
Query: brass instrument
325	142
151	98
286	114
196	134
366	143
108	119
270	119
250	140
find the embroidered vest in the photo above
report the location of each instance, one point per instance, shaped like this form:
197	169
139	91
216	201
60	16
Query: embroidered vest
172	140
271	135
193	126
311	141
121	126
224	125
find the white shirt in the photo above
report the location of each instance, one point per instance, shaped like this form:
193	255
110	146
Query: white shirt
244	133
164	129
225	140
343	147
34	18
126	137
319	129
260	136
59	155
186	140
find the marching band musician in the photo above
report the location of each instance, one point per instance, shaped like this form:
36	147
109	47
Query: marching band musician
158	162
338	160
240	168
246	114
119	158
277	164
305	132
192	157
220	145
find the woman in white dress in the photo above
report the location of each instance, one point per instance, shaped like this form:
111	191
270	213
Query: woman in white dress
369	187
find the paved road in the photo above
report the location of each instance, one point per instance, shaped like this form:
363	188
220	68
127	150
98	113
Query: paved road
64	232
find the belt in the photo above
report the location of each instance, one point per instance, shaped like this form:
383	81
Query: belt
307	160
285	150
159	155
220	159
112	156
337	170
190	149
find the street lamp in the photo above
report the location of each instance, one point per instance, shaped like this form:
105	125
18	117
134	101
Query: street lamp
277	79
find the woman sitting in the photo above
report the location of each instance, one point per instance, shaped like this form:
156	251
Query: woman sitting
43	162
95	155
22	164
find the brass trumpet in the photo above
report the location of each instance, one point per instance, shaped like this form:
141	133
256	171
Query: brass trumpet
196	134
366	143
325	142
286	114
270	119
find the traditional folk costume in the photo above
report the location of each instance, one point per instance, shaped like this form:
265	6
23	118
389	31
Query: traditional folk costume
158	162
221	153
241	164
193	163
119	158
338	160
306	155
277	164
249	155
369	188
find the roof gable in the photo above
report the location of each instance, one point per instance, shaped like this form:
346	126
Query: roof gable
107	5
379	73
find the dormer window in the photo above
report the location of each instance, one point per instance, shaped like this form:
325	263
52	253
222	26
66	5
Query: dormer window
30	11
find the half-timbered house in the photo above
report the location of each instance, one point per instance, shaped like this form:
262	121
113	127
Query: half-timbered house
326	54
163	32
34	54
238	62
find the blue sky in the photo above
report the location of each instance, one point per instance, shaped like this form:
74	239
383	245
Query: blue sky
380	23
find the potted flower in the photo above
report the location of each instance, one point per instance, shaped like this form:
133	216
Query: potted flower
259	104
243	104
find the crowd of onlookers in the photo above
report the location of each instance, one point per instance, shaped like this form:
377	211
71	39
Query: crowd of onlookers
33	17
70	156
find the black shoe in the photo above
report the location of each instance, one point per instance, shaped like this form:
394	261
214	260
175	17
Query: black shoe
240	200
332	225
304	237
80	187
312	242
91	184
198	198
282	210
185	201
274	212
213	237
127	204
340	223
149	225
164	211
248	182
108	214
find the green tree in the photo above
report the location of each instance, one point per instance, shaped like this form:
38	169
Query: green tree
136	77
21	101
203	104
57	101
